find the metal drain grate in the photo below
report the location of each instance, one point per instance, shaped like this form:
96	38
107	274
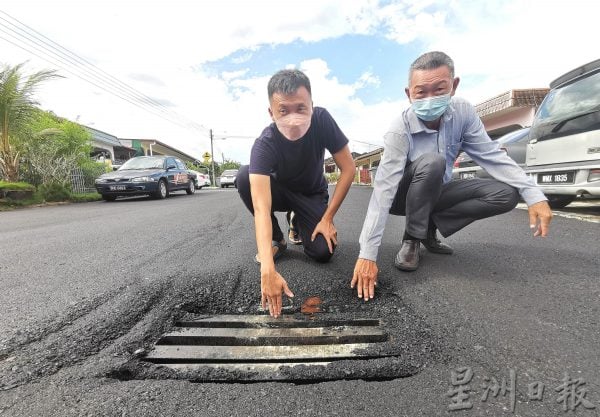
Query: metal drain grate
263	344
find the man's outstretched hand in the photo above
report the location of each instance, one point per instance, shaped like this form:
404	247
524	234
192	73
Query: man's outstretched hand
540	216
272	286
365	278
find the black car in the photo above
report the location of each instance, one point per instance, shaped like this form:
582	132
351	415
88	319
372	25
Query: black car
154	175
513	143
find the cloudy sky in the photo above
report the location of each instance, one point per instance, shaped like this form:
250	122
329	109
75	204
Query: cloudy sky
172	70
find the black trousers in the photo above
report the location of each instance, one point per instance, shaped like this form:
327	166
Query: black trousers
308	210
423	198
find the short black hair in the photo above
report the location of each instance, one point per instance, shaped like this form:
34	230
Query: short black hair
287	82
431	60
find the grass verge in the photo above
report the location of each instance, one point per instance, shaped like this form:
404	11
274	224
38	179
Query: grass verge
7	204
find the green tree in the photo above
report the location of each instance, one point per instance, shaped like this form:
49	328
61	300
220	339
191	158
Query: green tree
67	137
197	167
229	164
54	147
17	106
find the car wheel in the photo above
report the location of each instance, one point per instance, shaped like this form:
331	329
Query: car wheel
222	186
162	191
106	197
191	188
558	201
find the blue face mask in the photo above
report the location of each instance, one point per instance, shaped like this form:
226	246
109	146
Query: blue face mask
430	108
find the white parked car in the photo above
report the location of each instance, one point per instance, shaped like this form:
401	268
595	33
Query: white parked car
202	180
563	153
228	178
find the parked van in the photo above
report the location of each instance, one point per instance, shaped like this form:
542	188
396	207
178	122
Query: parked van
563	153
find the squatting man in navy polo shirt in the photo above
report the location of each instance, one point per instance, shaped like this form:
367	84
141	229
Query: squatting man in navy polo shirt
286	174
414	176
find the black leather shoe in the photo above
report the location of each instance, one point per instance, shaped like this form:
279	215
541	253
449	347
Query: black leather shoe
433	244
407	258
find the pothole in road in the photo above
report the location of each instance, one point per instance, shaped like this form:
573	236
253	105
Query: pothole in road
379	340
258	347
315	342
213	340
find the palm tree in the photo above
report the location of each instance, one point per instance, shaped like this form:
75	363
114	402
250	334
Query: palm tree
17	106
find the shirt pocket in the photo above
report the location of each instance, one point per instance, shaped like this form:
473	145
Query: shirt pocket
452	150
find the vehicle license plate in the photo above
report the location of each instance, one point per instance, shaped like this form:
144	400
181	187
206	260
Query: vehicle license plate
117	188
556	177
467	175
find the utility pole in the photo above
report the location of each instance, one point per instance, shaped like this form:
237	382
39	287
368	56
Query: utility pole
212	158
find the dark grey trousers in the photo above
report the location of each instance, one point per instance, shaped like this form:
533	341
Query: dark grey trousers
308	209
423	197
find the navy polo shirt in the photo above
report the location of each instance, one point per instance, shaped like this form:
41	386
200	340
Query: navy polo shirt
298	165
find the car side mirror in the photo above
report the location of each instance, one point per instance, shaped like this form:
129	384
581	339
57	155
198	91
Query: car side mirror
171	167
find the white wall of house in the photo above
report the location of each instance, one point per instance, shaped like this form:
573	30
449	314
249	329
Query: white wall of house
522	116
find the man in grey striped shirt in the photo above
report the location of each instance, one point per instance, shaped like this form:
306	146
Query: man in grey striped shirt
414	176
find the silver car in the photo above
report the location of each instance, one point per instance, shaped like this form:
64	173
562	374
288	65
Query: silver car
513	143
228	178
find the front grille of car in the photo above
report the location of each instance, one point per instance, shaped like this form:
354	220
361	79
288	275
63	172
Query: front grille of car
117	179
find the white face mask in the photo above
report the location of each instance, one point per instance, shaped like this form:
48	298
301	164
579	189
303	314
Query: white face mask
294	126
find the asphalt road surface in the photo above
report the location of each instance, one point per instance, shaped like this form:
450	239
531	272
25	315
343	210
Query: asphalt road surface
478	333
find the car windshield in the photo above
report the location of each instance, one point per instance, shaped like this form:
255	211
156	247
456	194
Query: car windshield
146	162
576	98
229	172
569	109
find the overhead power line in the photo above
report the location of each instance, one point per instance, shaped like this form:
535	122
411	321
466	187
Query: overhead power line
82	77
27	38
367	143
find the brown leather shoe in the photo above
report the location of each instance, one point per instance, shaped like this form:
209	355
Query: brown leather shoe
434	245
407	258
